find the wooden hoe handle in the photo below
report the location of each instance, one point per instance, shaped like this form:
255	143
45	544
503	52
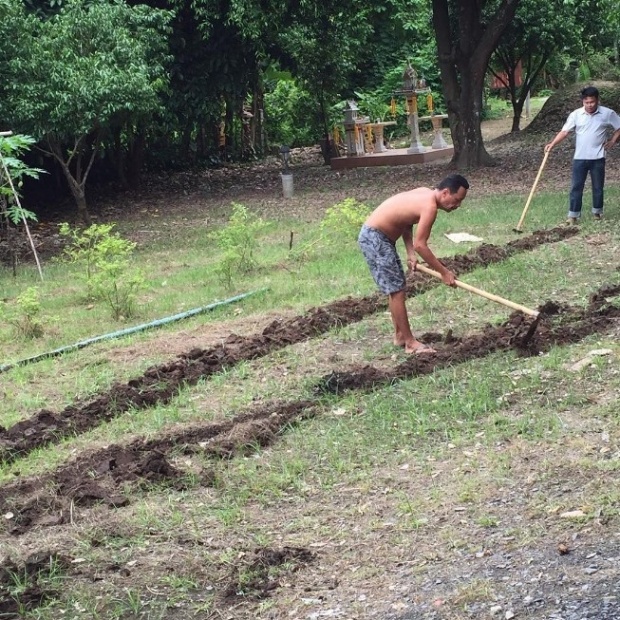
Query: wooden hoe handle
477	291
529	198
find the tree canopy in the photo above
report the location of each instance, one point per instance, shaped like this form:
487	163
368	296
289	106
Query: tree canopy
108	87
80	75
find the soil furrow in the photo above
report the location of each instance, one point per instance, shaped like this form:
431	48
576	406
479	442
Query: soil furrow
160	384
97	477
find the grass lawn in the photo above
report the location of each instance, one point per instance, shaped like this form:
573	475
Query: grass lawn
484	488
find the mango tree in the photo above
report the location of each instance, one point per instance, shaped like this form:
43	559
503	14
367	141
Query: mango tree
78	75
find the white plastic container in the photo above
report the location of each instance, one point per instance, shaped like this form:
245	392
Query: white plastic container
287	184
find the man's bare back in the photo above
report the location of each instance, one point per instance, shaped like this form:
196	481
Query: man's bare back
394	219
399	213
396	216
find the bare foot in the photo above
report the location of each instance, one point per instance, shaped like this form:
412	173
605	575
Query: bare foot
419	348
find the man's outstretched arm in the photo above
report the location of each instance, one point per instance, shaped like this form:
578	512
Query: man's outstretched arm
420	244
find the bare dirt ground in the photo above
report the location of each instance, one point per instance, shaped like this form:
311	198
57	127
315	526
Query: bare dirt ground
566	579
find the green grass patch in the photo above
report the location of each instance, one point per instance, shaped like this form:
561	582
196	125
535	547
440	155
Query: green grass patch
482	456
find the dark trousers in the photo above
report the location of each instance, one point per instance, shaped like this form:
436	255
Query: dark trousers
581	167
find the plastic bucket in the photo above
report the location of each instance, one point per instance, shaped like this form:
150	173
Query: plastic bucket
287	185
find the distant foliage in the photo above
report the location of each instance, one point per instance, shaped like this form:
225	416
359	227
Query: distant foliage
598	66
287	111
82	80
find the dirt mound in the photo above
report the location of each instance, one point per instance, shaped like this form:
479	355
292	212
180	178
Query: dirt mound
571	325
553	114
23	587
254	579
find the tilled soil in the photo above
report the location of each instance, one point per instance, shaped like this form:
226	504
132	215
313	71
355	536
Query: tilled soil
102	478
99	477
158	385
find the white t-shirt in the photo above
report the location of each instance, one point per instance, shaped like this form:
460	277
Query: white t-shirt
591	131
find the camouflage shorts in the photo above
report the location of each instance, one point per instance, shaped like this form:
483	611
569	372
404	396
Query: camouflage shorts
382	258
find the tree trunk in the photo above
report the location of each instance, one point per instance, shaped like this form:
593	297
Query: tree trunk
517	109
76	183
326	148
82	207
465	125
118	157
531	69
135	158
258	131
229	126
186	140
464	46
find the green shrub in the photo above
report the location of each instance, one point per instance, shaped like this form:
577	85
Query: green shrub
25	316
118	285
289	111
105	257
237	241
600	67
344	219
341	224
94	245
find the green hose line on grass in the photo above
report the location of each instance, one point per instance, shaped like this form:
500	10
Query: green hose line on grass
129	330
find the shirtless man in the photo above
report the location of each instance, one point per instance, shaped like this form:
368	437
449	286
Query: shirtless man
393	219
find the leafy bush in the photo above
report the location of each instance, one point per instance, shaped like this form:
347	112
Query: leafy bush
344	219
237	240
105	257
25	317
600	67
341	224
373	105
119	286
289	111
94	245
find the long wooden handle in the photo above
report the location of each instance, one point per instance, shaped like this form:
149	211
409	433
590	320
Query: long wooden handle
477	291
529	198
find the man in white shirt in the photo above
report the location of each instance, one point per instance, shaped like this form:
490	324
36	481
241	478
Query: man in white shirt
591	124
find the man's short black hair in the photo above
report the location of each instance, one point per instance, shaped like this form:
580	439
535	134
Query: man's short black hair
453	182
589	91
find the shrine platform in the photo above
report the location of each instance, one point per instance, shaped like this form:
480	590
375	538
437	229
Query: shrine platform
391	157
